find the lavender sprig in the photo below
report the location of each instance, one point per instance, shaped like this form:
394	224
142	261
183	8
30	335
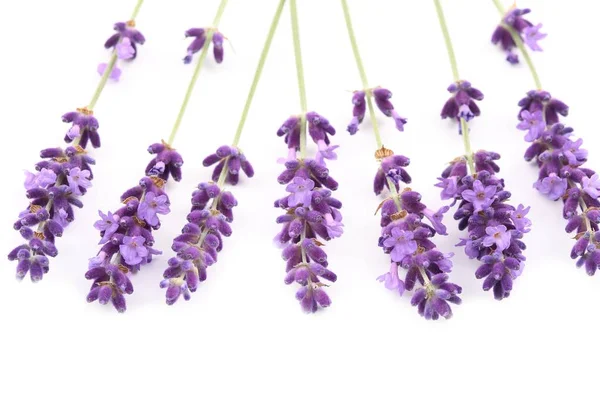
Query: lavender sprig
201	37
63	176
495	228
126	235
123	44
310	211
561	158
209	220
382	100
405	235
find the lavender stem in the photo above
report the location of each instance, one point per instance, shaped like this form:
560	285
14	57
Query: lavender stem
190	89
300	73
456	76
258	73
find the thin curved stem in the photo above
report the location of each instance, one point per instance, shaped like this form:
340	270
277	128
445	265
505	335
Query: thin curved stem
192	84
136	10
447	39
300	73
258	73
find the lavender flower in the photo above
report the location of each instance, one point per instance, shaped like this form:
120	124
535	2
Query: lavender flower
126	235
495	228
462	103
233	159
310	212
62	177
407	237
199	35
563	175
530	34
124	43
382	100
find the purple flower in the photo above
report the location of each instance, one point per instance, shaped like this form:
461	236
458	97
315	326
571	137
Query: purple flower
85	125
234	159
133	250
107	225
334	227
402	244
435	218
115	75
300	190
531	36
125	50
78	179
552	186
497	235
358	111
167	162
522	223
513	20
382	100
432	302
462	103
152	205
391	279
42	179
449	187
480	196
591	185
533	123
199	35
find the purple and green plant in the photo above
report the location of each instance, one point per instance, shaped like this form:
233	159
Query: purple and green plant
495	228
62	177
558	154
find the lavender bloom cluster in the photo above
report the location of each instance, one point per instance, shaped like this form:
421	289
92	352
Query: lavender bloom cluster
61	178
208	221
495	228
562	175
124	42
199	35
408	227
462	102
530	34
311	213
382	100
126	235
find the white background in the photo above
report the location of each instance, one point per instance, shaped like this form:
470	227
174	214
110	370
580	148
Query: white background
243	334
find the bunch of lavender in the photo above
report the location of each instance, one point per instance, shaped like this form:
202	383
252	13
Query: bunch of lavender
382	100
208	221
211	214
127	240
560	158
124	46
495	228
126	234
62	177
405	235
514	30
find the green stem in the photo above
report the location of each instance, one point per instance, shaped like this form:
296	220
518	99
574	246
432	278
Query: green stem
464	126
188	94
362	73
449	47
136	10
519	41
258	73
300	73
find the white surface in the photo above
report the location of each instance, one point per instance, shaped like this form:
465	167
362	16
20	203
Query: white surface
243	335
